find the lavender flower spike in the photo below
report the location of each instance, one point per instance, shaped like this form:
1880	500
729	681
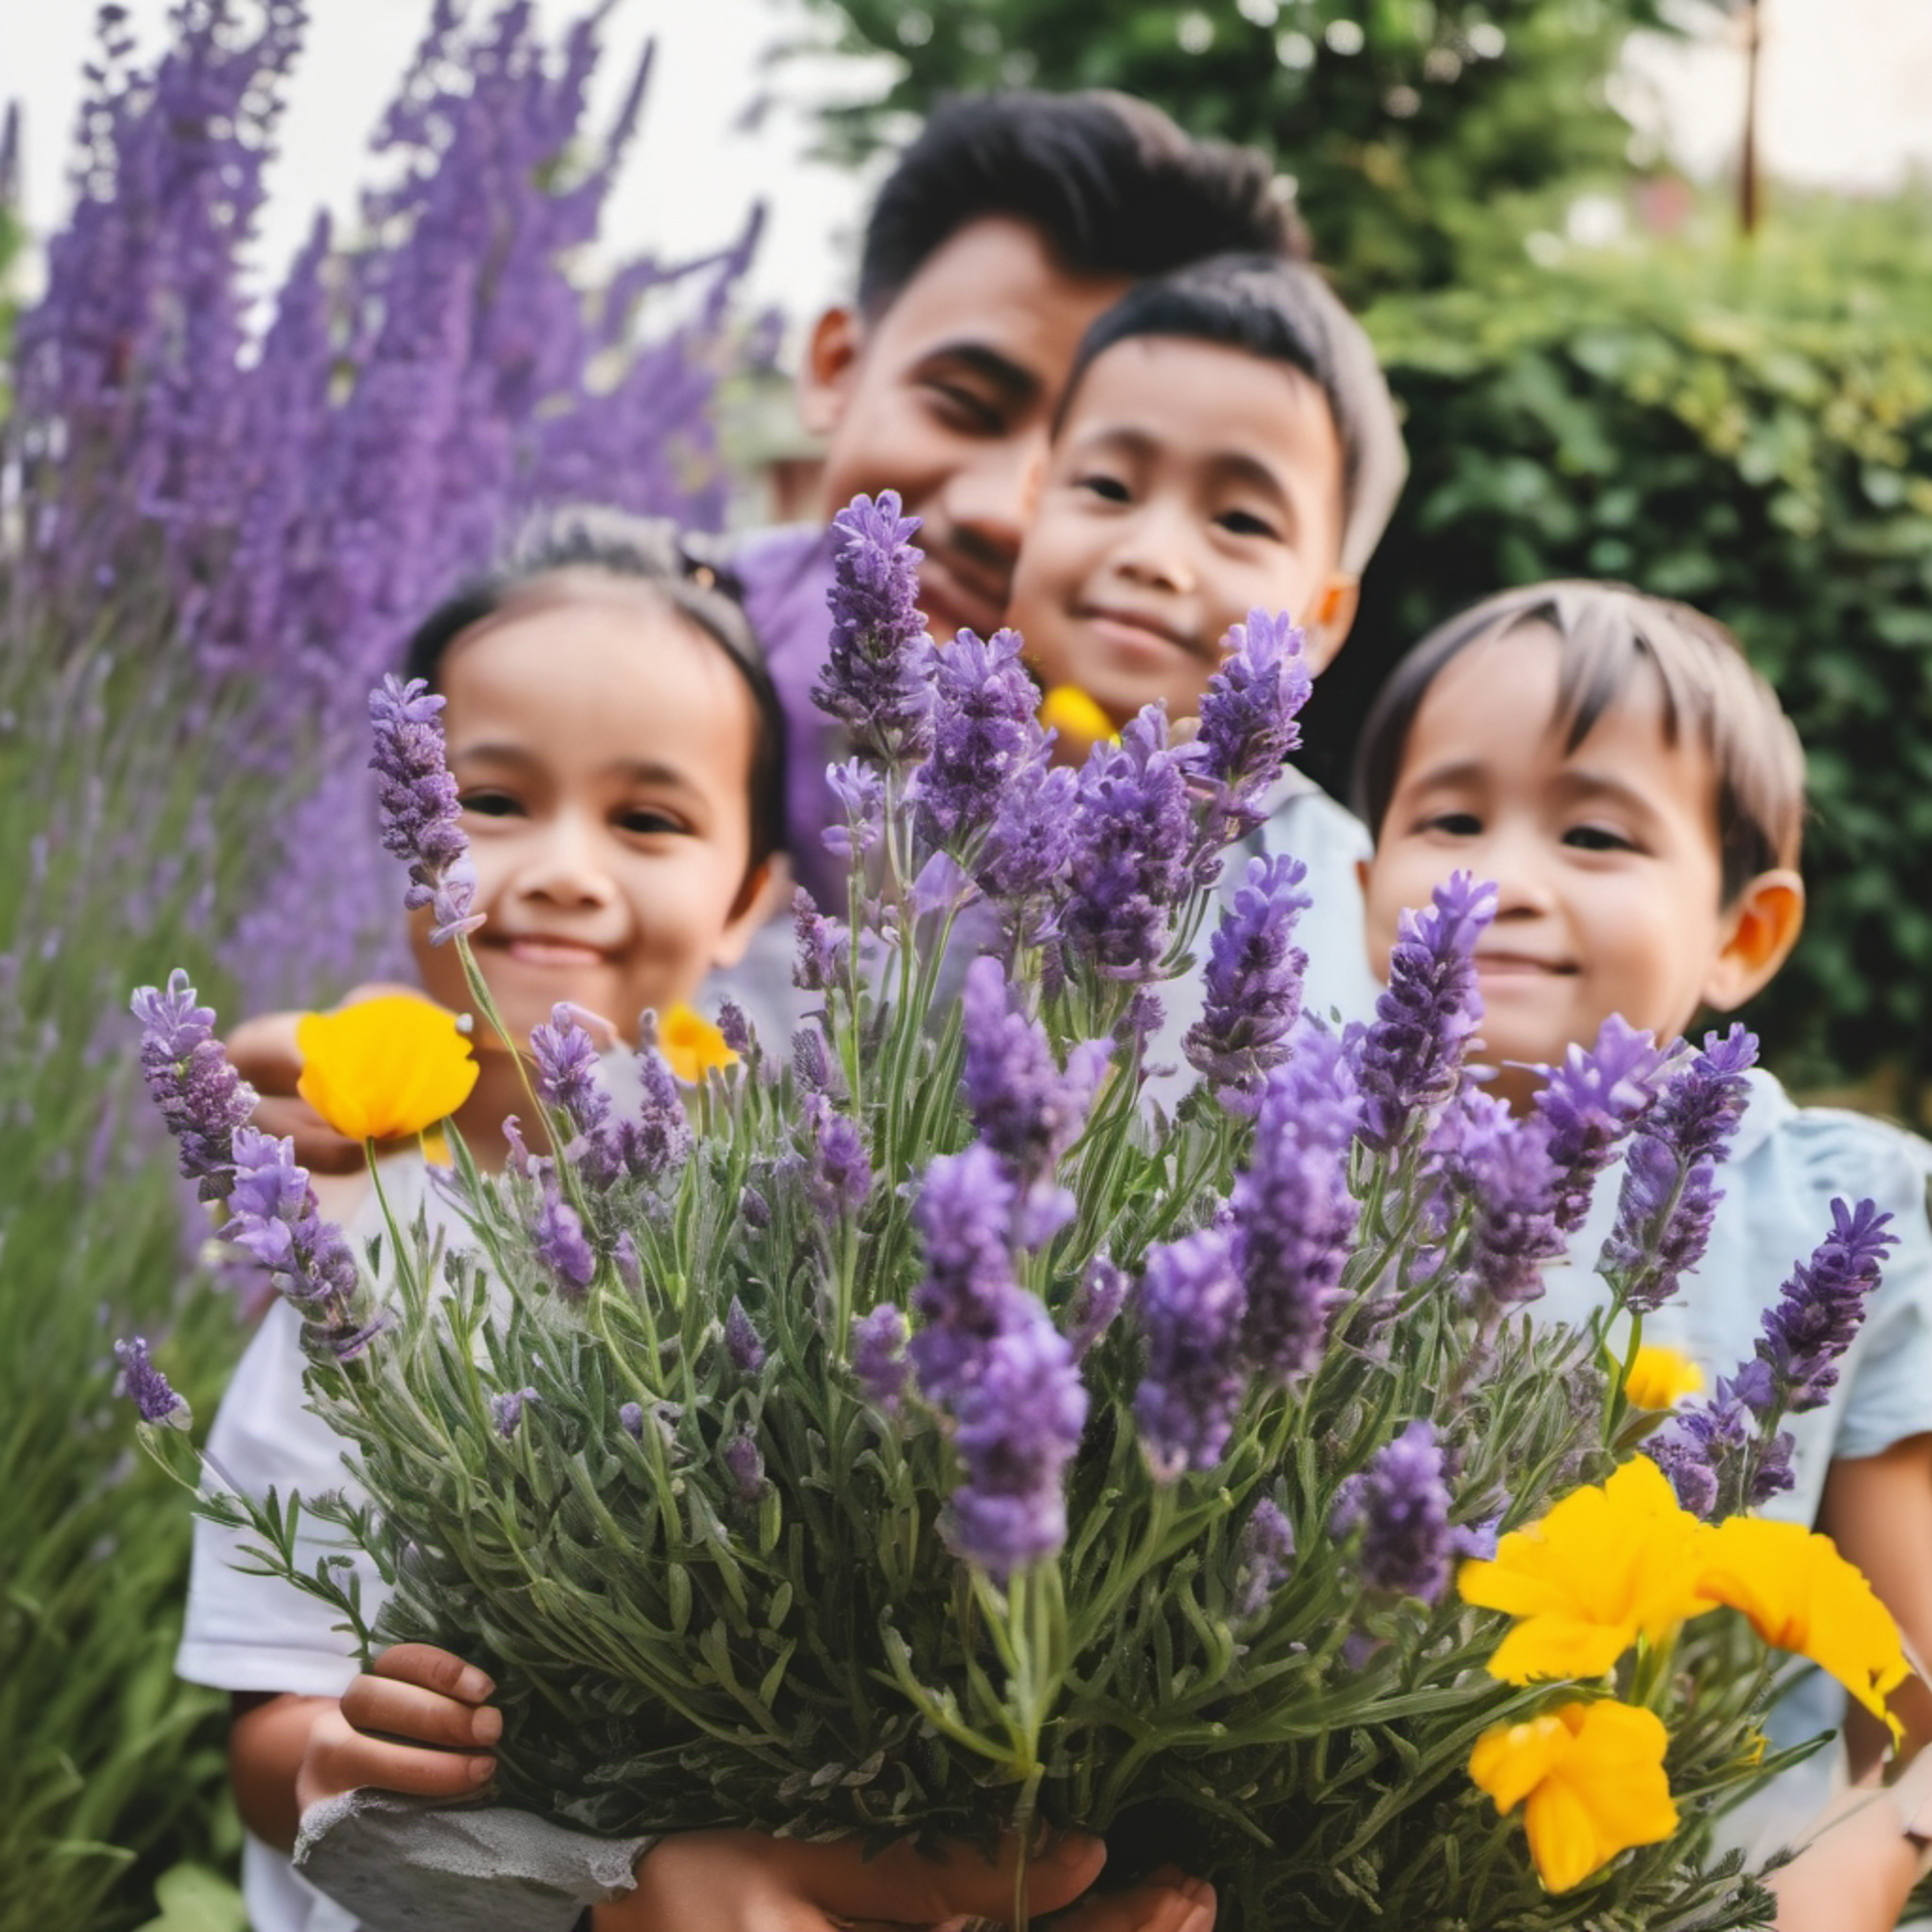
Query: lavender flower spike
984	734
1190	1305
147	1388
557	1234
1663	1214
1401	1504
274	1220
201	1096
1589	1102
1253	983
879	1355
874	678
1412	1056
742	1340
968	1295
418	802
1266	1555
1818	1311
1247	725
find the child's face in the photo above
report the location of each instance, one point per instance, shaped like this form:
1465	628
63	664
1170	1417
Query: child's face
1605	856
602	749
1190	484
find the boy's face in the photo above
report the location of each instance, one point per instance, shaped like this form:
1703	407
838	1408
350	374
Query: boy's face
948	396
602	749
1605	856
1190	484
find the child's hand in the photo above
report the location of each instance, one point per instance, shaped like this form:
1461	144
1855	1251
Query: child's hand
417	1721
744	1881
263	1051
1166	1902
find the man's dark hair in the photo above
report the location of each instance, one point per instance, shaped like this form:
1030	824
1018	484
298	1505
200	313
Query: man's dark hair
635	550
1283	312
1110	182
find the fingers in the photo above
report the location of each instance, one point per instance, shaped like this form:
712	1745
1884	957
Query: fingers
413	1715
434	1669
908	1885
263	1051
1166	1902
342	1758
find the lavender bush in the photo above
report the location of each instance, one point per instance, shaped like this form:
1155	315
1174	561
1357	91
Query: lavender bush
938	1439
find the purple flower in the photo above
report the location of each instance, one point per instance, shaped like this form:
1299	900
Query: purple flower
1028	843
656	1139
1247	724
1097	1302
984	734
1019	1424
860	789
742	1341
824	946
1191	1307
1503	1168
968	1294
1717	1456
567	1079
1263	1556
746	1464
1294	1218
147	1388
1401	1504
1132	831
753	1209
1412	1056
201	1096
1252	982
557	1234
874	678
1820	1309
506	1410
1669	1197
839	1172
275	1220
421	821
1589	1103
879	1355
735	1029
630	1419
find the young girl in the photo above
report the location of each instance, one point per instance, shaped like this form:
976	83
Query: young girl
1613	763
616	750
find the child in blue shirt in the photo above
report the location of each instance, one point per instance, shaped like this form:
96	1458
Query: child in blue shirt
1613	763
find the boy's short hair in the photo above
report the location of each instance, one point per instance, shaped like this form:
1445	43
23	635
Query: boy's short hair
1611	636
1110	182
1283	312
679	569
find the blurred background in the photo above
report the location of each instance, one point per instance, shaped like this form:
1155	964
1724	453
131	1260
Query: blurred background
1650	278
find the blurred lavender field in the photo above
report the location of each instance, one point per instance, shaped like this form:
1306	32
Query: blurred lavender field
212	537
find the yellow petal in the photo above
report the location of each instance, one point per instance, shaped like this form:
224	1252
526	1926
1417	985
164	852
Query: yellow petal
1801	1595
386	1069
691	1044
1661	1377
1559	1646
1510	1760
1080	722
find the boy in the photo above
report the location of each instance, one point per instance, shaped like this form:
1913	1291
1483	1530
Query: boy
1631	786
1226	444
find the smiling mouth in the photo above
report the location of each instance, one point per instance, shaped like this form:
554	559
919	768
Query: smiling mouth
1511	965
1133	630
537	949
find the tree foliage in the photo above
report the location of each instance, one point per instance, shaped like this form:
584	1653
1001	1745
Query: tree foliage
1422	134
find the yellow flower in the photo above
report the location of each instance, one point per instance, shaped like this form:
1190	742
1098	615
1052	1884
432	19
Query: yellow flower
1802	1596
1080	722
691	1044
1592	1776
1661	1377
386	1069
1604	1567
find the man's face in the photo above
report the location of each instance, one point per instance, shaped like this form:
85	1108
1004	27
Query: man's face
946	398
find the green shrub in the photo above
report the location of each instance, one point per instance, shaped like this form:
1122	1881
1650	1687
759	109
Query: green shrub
1752	434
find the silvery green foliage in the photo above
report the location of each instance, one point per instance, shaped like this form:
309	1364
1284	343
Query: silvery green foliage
786	1516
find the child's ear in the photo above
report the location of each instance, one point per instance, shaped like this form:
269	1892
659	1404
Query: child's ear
1332	612
830	363
764	890
1761	927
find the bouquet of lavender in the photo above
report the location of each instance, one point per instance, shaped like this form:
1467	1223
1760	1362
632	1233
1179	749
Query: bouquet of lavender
916	1431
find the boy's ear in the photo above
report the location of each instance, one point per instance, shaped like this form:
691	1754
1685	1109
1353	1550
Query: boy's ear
825	376
1328	621
765	887
1761	927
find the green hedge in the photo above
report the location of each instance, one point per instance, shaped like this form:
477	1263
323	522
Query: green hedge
1751	432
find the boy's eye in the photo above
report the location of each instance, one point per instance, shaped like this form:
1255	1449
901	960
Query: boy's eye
1456	825
1598	837
1099	483
488	802
649	821
1245	523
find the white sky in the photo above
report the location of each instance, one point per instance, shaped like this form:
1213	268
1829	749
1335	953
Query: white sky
1844	103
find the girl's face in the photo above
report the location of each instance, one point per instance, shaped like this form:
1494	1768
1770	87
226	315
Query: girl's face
602	746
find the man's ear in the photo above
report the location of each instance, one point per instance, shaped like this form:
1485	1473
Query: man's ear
1761	927
831	361
1332	612
766	886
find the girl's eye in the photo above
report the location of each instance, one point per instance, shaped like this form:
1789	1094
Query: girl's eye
1598	837
488	803
1456	825
648	821
1245	523
1108	489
